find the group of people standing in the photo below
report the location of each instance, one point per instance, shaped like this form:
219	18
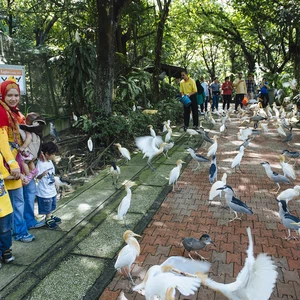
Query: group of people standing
200	93
18	188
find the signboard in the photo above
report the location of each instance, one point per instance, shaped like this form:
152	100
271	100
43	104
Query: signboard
16	72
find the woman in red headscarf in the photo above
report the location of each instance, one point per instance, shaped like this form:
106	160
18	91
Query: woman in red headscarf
10	140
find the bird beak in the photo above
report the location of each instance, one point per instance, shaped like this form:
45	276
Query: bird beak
213	243
137	235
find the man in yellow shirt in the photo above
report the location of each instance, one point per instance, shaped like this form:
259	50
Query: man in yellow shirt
5	217
240	90
188	87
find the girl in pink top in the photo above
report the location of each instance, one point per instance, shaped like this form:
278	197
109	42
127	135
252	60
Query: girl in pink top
227	92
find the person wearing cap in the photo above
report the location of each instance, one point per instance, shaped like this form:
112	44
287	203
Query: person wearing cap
10	140
240	90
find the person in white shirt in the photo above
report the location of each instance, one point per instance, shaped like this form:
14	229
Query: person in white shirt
206	91
46	191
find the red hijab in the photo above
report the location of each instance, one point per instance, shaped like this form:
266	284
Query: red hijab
9	116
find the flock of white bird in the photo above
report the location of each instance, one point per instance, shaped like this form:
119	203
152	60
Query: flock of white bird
258	276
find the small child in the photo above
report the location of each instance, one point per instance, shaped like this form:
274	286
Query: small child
5	217
46	190
31	134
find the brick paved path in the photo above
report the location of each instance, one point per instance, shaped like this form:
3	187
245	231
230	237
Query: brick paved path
187	214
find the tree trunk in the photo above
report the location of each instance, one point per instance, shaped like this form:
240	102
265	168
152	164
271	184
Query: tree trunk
296	58
158	48
107	14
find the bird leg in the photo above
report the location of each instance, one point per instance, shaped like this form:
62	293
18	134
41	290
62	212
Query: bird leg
278	187
125	223
201	257
236	217
197	167
129	276
295	161
190	256
291	237
240	168
151	166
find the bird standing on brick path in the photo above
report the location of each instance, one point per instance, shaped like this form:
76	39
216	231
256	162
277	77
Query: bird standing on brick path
178	265
125	203
190	244
214	192
289	221
291	154
128	253
255	281
287	169
245	144
115	173
213	170
289	194
213	148
237	160
175	172
234	203
197	157
277	178
289	137
124	152
280	129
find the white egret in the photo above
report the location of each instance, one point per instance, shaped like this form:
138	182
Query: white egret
175	267
213	148
128	253
166	125
288	170
167	147
75	118
255	281
237	160
280	129
125	203
289	194
90	144
214	192
124	152
175	172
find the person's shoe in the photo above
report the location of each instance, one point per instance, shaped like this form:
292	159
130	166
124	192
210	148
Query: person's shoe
195	127
31	175
26	238
51	224
7	256
185	128
38	225
56	219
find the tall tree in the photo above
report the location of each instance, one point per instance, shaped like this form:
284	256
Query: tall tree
163	14
108	14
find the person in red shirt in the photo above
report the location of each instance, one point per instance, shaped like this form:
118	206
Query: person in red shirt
227	92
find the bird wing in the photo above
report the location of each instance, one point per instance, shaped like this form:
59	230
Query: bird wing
158	285
237	160
144	143
123	207
288	170
213	190
203	158
212	170
90	145
126	257
262	279
212	149
174	174
187	265
239	203
291	217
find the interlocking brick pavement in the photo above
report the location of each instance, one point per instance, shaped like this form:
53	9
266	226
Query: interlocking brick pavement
188	213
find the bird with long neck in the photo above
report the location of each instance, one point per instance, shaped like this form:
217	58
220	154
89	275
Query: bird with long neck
287	169
256	280
125	203
128	254
213	148
124	152
175	172
115	173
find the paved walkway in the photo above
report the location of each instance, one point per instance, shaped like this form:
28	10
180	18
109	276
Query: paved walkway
187	213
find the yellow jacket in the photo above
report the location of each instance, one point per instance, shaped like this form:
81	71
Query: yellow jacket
5	204
6	136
